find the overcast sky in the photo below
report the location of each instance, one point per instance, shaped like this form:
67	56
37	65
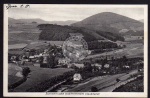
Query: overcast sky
72	12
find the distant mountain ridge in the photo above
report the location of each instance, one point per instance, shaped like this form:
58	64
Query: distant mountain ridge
40	21
141	20
110	22
102	26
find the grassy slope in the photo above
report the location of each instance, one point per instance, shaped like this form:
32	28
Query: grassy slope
39	75
134	86
23	33
61	33
13	79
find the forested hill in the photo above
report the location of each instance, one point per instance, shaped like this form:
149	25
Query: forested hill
110	22
60	33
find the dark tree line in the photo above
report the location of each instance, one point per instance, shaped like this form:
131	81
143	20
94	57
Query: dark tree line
111	36
60	33
101	45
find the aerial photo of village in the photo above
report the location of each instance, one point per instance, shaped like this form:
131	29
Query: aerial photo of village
75	49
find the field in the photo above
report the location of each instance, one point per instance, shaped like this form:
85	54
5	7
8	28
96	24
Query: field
13	79
41	78
134	86
39	75
23	33
16	38
23	28
131	50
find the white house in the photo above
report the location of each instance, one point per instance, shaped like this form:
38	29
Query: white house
78	65
99	66
106	66
126	66
77	77
63	61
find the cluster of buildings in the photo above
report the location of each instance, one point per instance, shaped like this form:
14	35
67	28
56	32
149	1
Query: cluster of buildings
28	52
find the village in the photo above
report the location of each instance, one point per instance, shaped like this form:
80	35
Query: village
49	54
103	52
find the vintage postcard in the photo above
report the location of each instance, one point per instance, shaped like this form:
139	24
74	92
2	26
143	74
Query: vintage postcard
63	50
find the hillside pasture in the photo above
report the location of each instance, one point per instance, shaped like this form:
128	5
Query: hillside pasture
16	38
39	75
22	33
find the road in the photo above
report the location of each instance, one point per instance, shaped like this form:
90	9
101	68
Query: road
101	83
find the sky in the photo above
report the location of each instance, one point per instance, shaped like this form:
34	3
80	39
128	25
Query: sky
72	12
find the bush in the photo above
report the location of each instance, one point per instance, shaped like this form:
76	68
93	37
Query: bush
94	89
26	71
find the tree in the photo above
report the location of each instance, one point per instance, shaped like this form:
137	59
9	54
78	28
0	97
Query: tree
94	89
124	59
87	67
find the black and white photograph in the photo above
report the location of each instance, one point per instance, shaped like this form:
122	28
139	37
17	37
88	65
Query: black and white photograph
75	50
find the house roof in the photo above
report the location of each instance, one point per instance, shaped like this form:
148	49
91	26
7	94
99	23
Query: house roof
79	65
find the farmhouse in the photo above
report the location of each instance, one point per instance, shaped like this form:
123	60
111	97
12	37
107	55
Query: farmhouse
77	77
99	66
106	66
137	37
63	61
79	65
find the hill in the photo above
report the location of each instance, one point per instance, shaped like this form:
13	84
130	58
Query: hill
25	21
133	33
110	22
14	21
61	33
68	22
38	21
142	20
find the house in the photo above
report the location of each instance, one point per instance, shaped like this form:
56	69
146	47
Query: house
106	66
77	77
137	37
78	65
99	66
63	61
126	66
